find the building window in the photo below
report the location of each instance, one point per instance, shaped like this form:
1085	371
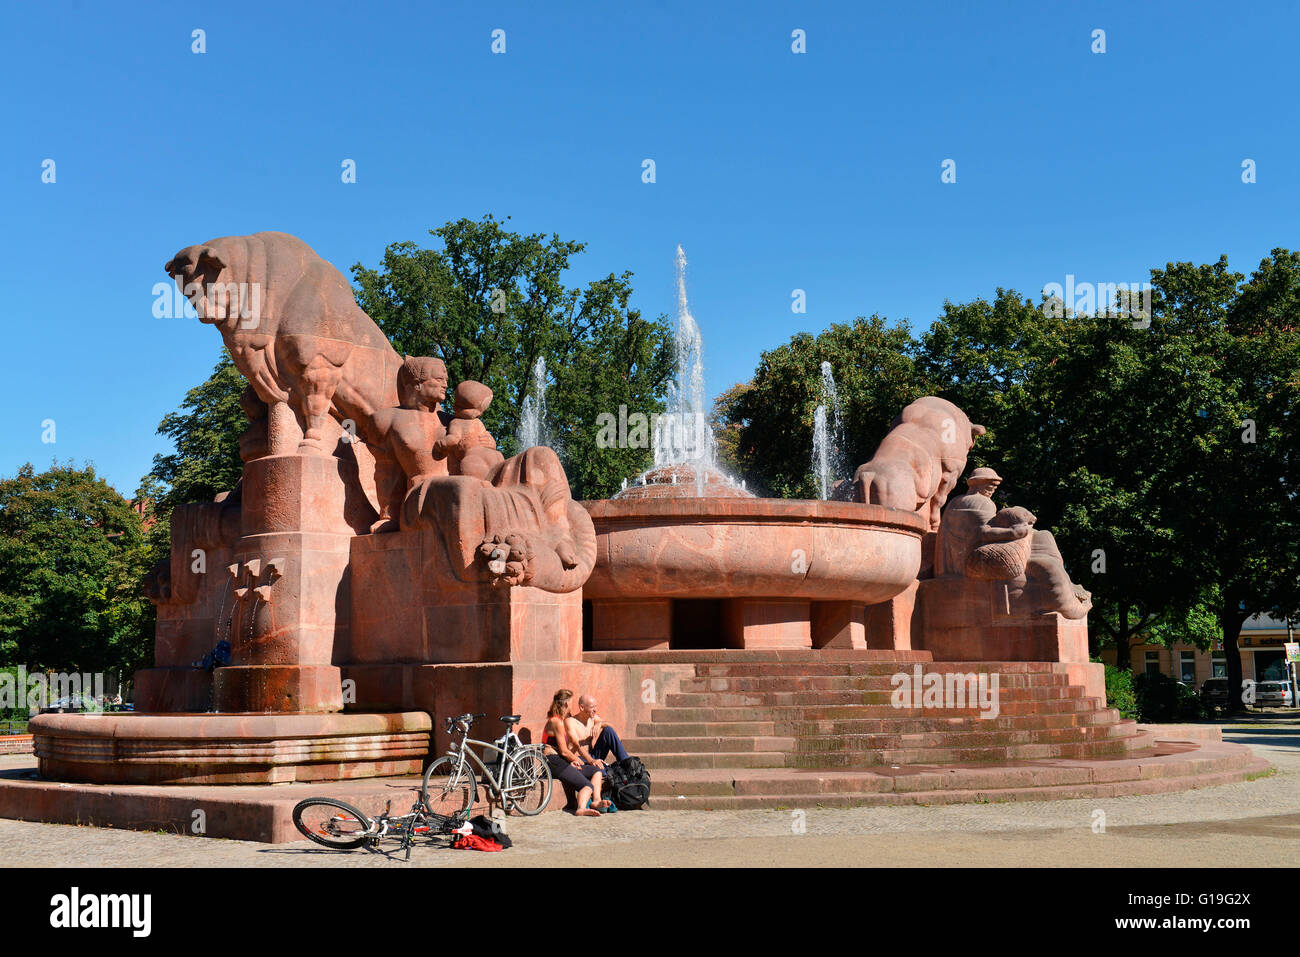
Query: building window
1153	662
1187	667
1219	665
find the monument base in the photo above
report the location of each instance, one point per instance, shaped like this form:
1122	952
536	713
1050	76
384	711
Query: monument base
138	748
962	619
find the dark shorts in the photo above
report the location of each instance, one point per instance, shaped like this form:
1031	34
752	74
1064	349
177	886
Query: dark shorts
566	773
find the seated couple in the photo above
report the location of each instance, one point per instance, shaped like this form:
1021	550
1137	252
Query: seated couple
577	744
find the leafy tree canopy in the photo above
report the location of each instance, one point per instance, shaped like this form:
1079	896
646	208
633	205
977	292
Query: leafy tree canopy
72	556
491	302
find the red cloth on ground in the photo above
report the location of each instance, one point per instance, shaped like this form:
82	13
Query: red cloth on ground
472	842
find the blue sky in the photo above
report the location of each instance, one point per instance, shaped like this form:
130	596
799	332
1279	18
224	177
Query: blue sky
775	171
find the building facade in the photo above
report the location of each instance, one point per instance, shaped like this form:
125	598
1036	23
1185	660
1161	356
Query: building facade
1262	655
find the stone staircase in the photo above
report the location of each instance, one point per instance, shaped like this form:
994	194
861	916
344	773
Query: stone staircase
749	732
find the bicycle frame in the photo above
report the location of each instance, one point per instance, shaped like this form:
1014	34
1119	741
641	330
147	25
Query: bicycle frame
405	826
463	753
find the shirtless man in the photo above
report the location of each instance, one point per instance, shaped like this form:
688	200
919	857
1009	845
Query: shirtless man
592	734
404	437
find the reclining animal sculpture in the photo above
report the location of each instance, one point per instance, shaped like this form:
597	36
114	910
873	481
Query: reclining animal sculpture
920	460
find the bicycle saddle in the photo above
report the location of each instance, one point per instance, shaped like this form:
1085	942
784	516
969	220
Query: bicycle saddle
511	718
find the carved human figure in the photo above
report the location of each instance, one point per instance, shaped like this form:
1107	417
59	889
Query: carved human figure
403	438
468	447
521	528
979	541
999	559
968	524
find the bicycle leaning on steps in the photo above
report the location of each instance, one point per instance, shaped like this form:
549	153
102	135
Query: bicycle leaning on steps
517	776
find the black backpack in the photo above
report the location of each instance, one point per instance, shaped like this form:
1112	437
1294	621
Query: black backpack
629	784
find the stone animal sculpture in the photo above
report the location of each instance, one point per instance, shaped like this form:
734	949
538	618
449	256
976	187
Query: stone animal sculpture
293	328
920	459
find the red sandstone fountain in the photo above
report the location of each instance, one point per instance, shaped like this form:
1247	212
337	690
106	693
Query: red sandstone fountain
688	558
380	565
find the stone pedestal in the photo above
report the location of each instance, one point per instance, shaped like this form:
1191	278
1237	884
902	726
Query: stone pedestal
767	623
290	588
889	623
408	606
631	624
961	619
839	624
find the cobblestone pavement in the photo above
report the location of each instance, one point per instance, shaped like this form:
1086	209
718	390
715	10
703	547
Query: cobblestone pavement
1207	827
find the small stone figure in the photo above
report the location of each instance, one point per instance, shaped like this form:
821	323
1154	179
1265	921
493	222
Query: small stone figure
468	446
978	541
968	524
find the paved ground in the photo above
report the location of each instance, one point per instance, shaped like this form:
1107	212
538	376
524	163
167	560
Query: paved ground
1206	827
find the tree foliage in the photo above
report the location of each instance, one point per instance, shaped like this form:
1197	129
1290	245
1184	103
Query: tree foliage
1161	449
205	461
773	414
491	302
72	556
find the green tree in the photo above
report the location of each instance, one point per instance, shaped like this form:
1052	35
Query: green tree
773	417
1238	514
72	555
727	426
205	461
491	303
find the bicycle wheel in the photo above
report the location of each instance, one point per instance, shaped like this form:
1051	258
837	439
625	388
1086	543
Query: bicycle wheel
528	782
331	823
449	787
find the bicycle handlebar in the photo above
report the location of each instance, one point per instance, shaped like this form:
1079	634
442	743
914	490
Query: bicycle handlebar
468	719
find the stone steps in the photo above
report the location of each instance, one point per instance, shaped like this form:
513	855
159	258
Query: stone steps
823	712
818	697
838	713
849	668
755	757
878	741
809	682
1152	770
668	727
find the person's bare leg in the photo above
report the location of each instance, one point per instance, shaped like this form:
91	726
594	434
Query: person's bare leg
584	796
597	780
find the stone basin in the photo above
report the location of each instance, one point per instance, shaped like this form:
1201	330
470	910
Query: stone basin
134	748
769	562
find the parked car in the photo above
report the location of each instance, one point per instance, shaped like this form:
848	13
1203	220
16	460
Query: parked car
74	702
1273	694
1214	692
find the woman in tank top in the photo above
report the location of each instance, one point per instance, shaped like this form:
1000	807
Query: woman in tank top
564	756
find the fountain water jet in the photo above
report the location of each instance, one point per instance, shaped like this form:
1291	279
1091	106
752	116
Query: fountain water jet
685	451
828	463
532	414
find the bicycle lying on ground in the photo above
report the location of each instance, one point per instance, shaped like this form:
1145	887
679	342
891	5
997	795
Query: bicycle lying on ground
519	779
340	826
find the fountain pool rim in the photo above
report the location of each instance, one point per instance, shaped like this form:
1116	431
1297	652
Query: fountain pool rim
689	510
739	548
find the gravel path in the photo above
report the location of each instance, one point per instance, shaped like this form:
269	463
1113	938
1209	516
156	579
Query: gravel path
1205	827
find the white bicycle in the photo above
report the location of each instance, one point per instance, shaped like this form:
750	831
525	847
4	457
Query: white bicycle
517	776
